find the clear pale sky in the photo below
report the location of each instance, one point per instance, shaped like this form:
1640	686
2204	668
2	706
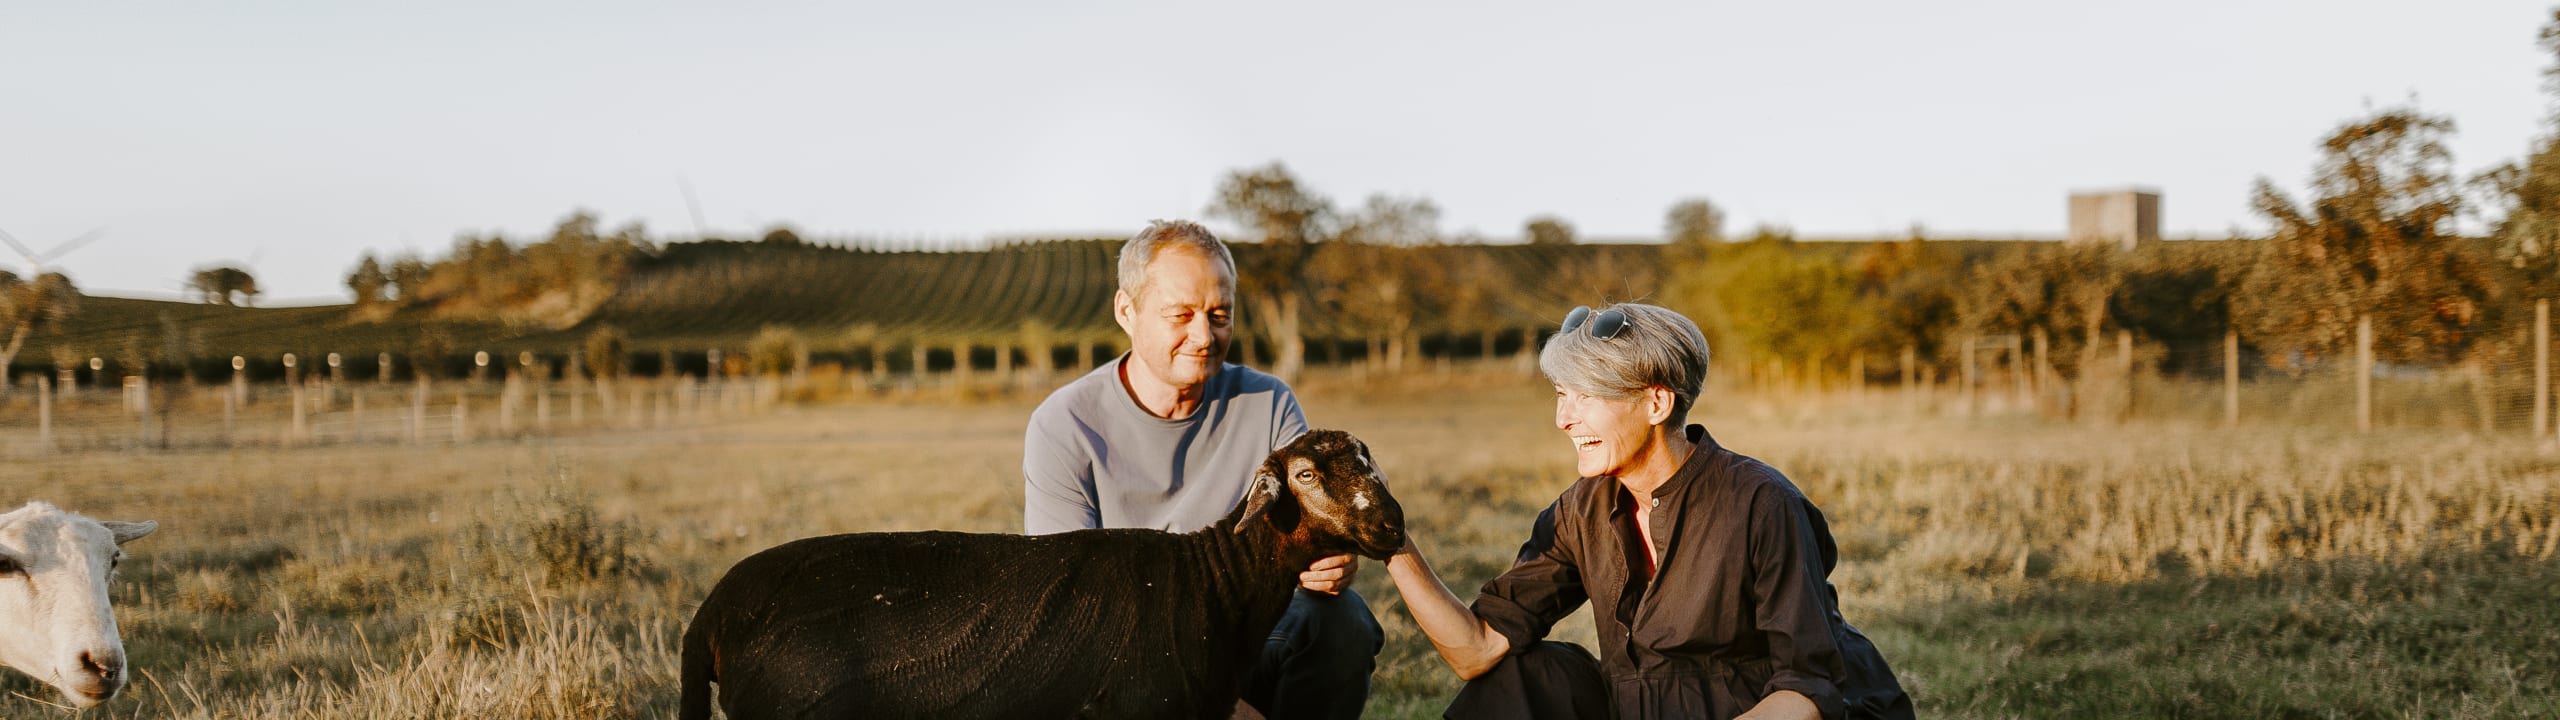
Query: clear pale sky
301	134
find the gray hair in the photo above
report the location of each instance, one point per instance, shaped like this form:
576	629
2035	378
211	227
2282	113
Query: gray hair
1658	348
1142	248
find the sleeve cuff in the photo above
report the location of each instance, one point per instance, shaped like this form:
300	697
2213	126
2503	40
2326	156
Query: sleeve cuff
1825	696
1516	625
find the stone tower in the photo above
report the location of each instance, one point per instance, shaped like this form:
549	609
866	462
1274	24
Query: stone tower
2123	217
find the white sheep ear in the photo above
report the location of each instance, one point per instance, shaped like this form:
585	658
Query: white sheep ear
126	532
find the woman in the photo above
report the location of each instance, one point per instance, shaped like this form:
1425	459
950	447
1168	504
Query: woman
1708	571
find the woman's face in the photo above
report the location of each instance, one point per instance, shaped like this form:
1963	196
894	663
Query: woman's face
1606	434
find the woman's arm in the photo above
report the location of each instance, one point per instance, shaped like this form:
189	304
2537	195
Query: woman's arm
1790	556
1470	646
1783	705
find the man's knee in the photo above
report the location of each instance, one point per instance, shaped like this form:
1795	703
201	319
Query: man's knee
1339	628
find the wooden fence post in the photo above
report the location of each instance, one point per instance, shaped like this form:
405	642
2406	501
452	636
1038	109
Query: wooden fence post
1910	375
1004	364
2231	378
44	414
2043	367
461	413
508	398
2364	373
2019	389
1858	376
2124	364
301	429
2541	366
418	413
1968	376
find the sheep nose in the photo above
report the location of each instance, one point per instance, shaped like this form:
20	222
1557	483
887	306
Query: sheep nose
104	665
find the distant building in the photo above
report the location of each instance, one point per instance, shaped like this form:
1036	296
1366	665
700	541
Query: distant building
2125	217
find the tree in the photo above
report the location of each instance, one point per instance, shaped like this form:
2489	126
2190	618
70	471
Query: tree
1777	301
2067	290
1269	201
2528	236
216	285
1549	230
28	306
1366	275
427	353
1910	288
555	283
777	349
368	282
409	278
1692	227
2373	241
606	347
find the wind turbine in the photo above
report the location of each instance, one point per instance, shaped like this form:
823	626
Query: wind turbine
36	260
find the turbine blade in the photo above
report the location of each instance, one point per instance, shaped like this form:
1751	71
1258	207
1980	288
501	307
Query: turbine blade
21	248
73	244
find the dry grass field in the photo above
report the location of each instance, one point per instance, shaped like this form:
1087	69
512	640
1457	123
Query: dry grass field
2007	567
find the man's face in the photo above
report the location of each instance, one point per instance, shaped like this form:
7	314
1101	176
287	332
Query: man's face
1178	328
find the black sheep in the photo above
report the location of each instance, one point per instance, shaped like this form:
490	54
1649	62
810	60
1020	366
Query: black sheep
1095	623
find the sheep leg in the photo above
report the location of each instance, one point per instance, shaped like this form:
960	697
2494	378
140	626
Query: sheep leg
697	673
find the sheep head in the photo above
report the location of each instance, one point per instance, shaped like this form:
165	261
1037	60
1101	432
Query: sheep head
53	598
1324	490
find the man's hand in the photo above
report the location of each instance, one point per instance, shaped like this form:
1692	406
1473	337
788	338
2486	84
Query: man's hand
1330	575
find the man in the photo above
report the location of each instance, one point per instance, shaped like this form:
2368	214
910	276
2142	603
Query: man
1169	435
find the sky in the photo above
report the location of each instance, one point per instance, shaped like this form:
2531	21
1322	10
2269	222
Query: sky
296	136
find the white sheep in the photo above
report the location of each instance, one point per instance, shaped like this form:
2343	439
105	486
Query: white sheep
54	621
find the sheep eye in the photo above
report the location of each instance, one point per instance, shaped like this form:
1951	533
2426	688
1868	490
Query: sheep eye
9	566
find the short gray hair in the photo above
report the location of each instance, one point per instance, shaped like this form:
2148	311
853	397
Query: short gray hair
1142	248
1658	348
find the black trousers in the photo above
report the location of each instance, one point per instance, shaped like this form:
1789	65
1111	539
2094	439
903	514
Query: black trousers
1561	680
1317	662
1549	680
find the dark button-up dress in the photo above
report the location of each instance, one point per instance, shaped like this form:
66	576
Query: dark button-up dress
1741	605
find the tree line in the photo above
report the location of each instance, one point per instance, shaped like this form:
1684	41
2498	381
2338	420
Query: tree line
2375	238
2374	241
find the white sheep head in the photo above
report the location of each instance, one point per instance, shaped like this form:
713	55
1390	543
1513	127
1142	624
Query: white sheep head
54	567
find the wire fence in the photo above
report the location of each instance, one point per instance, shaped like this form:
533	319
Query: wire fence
2504	391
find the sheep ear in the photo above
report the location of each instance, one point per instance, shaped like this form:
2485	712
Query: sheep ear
1258	497
126	532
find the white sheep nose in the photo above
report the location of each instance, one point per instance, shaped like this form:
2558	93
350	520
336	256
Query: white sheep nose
108	666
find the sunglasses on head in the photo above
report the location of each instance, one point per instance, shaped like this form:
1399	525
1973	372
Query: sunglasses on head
1605	324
